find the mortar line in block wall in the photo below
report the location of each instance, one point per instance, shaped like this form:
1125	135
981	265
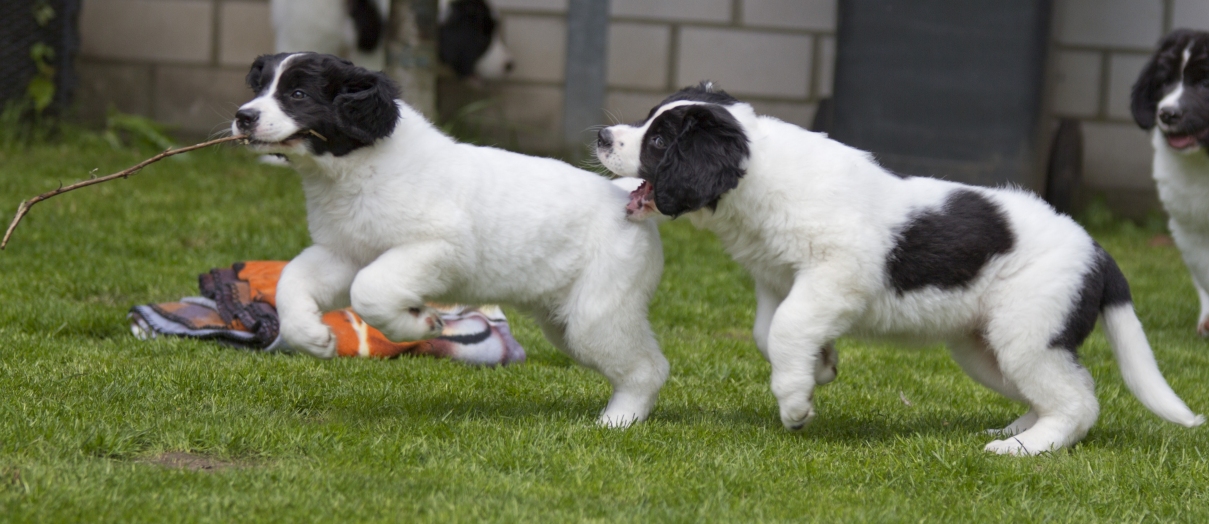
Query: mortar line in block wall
152	81
673	50
1168	16
720	25
1098	48
1105	84
736	13
816	53
215	29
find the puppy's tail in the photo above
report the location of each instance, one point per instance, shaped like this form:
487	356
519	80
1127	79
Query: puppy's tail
1132	351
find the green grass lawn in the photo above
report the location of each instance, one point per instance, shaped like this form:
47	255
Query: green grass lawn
94	423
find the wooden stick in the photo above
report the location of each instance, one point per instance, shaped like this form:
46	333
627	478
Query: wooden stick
24	207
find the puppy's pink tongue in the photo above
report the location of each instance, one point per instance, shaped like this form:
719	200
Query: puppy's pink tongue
640	205
1181	141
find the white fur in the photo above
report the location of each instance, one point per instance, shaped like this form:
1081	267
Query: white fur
813	220
418	216
1182	179
1172	100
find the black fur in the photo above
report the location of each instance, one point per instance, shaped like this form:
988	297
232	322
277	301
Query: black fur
946	248
1103	286
691	155
348	106
368	23
1162	75
465	35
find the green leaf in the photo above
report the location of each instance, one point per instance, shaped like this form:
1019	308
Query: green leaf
41	91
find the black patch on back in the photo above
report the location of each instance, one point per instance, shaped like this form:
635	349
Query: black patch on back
1103	286
465	35
946	248
691	155
367	21
348	106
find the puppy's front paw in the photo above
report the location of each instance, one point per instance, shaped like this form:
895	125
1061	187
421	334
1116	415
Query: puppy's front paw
312	338
798	414
413	324
617	420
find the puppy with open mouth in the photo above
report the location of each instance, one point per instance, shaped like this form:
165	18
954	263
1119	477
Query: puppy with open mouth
1171	99
400	213
837	245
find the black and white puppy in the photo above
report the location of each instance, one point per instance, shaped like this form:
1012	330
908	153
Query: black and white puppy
400	214
468	39
1171	99
837	245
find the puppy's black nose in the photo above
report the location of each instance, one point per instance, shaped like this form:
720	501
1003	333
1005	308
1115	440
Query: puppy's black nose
245	119
1170	115
508	66
604	139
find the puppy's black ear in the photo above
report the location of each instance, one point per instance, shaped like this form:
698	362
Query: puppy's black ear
255	78
706	159
1148	89
365	105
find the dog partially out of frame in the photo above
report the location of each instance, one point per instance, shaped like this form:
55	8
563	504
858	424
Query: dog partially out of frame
468	38
399	214
837	245
1171	99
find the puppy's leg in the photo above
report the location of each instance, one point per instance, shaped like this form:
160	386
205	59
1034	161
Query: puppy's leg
979	362
1202	323
389	293
1194	248
636	377
1058	389
312	283
606	329
814	313
766	306
826	366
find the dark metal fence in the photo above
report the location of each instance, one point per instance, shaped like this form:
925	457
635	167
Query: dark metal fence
23	25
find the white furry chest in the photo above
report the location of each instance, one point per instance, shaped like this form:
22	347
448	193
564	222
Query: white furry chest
360	223
1183	184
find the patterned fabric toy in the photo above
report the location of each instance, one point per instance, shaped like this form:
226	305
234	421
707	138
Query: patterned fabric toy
238	308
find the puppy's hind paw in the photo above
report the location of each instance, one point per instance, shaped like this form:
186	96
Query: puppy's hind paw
418	323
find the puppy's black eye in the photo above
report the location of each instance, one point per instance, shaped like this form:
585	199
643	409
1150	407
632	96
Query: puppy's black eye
298	94
657	142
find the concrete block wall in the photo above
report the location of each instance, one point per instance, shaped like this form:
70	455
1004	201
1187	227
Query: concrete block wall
1099	48
777	54
181	62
